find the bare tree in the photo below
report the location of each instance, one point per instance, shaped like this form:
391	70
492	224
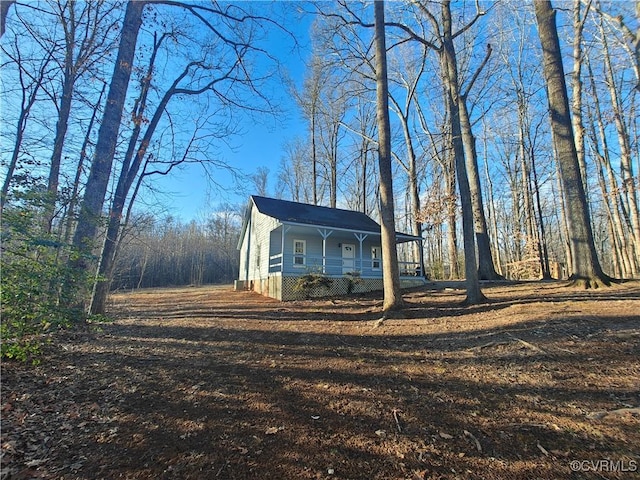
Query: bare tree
409	81
586	266
439	140
309	100
295	174
361	171
85	28
137	153
219	74
330	132
576	85
519	130
445	49
76	185
629	182
31	84
100	172
260	180
486	268
391	274
450	71
625	258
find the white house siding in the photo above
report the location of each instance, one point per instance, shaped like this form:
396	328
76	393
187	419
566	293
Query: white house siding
256	241
277	278
262	227
242	271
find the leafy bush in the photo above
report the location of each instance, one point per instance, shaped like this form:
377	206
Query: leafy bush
353	279
38	286
311	281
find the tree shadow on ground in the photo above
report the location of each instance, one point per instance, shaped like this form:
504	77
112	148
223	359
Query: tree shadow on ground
493	393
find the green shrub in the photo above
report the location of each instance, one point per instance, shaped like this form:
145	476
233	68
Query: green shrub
38	287
311	281
353	279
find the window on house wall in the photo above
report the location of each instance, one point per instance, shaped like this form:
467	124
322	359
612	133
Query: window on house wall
299	252
376	255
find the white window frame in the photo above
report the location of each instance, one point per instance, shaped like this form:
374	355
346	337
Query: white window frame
302	256
376	257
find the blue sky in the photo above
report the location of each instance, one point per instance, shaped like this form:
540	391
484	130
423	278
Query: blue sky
186	194
189	195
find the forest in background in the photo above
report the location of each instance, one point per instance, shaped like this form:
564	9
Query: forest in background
102	99
505	109
169	253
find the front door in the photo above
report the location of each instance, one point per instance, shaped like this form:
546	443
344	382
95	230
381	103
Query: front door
348	257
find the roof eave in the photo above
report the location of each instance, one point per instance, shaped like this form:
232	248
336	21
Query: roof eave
330	227
245	222
405	236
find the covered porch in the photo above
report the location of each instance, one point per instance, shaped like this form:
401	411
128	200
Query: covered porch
300	249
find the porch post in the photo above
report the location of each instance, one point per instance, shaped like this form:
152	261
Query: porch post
285	229
324	234
247	257
422	272
360	237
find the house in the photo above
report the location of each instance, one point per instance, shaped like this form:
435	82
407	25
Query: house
282	241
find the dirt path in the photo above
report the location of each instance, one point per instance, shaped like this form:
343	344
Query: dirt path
206	383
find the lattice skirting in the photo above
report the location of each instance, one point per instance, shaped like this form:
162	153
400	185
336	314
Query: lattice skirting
283	288
339	286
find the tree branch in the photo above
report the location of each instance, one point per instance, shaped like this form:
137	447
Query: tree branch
477	73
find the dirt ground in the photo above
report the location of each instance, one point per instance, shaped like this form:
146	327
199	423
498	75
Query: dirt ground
543	382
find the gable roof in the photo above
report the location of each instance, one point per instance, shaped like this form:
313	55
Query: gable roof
286	211
306	214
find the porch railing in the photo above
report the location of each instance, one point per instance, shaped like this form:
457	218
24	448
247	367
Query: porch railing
331	265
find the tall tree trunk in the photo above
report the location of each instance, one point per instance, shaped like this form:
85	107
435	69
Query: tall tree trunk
56	157
333	162
492	213
629	185
564	231
531	230
586	267
364	155
416	225
96	187
80	169
450	76
628	256
64	111
576	88
621	267
390	271
314	157
134	158
443	155
452	215
486	268
543	252
411	168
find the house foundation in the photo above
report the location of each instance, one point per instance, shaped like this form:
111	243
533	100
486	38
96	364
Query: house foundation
286	288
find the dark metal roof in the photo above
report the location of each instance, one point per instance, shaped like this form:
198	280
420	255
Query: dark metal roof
303	213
